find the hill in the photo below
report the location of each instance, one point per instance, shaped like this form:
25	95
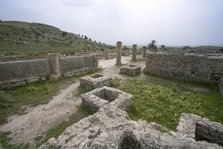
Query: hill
23	38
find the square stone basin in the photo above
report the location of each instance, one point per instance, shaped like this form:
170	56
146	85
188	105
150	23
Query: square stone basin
95	81
131	70
97	98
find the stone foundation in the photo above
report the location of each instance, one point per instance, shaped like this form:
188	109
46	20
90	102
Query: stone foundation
209	131
200	129
101	96
95	81
131	70
111	128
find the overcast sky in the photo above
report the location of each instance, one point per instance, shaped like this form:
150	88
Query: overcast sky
169	22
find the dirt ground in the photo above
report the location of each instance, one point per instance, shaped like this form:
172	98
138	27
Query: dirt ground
37	120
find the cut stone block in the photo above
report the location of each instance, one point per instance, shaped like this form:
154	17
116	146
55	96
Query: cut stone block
95	81
96	98
132	70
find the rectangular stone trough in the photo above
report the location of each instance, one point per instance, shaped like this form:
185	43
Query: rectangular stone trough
95	81
99	97
132	70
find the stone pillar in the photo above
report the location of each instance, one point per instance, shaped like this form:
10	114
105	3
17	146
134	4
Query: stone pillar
107	54
134	52
119	53
144	52
54	67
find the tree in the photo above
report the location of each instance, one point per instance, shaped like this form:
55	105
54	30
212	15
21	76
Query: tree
187	48
152	45
163	47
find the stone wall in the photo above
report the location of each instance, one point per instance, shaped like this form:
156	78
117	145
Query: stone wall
185	66
15	73
71	65
19	72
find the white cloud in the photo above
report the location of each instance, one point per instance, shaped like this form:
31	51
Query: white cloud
131	21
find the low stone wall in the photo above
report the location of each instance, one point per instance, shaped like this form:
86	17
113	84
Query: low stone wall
15	73
19	72
185	66
70	65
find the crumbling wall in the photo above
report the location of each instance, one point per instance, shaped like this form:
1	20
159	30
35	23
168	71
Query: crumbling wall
185	66
15	73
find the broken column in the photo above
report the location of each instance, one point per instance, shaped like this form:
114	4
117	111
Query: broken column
54	67
144	52
107	54
134	52
119	53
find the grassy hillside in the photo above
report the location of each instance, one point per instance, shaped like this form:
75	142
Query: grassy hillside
22	38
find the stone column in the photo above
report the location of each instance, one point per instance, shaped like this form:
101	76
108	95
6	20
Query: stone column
119	53
54	67
134	52
107	54
144	52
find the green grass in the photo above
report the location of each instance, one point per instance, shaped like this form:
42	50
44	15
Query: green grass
4	142
163	100
22	38
12	100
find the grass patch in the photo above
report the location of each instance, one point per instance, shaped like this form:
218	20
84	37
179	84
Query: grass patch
162	101
5	145
81	113
12	100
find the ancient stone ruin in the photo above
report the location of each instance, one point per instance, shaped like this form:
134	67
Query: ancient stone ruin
144	49
119	53
97	98
15	73
95	81
134	52
111	128
186	66
132	70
